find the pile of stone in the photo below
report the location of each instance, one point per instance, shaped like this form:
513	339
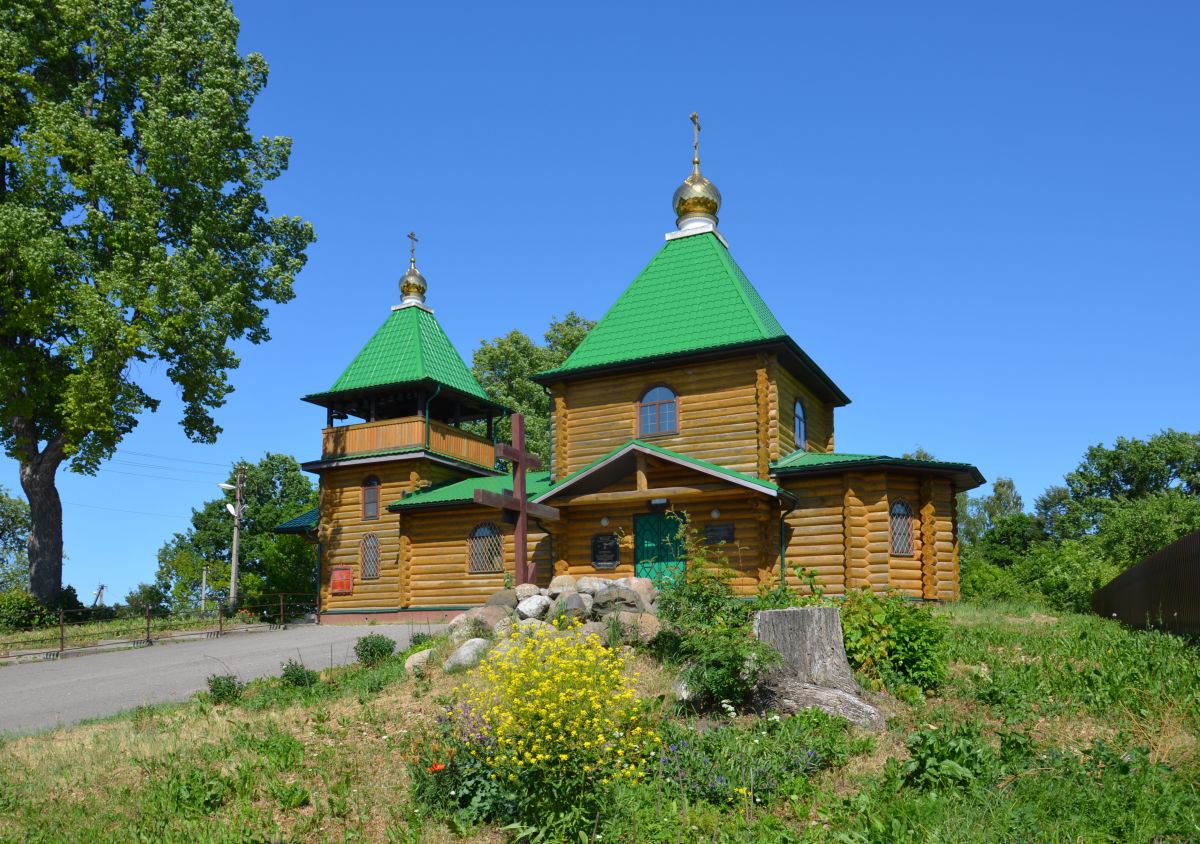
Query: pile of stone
598	604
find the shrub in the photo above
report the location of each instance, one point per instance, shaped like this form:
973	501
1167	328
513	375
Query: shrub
896	641
373	648
224	688
984	582
20	611
948	759
538	734
295	674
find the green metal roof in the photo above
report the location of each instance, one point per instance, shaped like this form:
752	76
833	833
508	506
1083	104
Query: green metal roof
304	523
801	461
463	492
410	347
691	297
674	456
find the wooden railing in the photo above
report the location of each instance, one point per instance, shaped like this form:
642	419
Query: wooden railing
409	431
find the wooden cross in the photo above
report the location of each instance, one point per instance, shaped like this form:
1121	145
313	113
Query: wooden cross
514	503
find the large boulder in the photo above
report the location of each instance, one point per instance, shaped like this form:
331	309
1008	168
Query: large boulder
618	599
526	590
467	655
815	672
535	606
591	585
415	664
639	626
485	617
573	605
504	598
645	589
561	583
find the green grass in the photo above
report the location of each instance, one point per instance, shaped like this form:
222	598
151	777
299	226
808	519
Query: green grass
78	635
1057	729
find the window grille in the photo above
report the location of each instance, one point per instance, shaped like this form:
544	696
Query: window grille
658	412
370	498
902	529
368	557
485	550
800	428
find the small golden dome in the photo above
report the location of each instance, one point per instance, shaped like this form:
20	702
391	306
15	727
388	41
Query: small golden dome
412	285
697	195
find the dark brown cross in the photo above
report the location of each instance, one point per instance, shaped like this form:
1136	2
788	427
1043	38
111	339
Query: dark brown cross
514	503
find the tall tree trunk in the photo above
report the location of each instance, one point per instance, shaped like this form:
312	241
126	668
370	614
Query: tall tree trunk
45	526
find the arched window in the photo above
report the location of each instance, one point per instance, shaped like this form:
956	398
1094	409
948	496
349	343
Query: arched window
658	412
370	498
485	549
368	557
800	428
902	529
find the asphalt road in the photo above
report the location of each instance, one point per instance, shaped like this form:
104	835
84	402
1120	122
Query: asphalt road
41	695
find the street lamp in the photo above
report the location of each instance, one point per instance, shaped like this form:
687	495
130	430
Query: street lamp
235	510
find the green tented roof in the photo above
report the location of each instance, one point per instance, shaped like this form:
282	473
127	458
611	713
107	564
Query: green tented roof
802	461
462	492
409	348
674	456
304	523
691	297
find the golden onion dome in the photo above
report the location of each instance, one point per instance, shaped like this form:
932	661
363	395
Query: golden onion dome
412	283
697	195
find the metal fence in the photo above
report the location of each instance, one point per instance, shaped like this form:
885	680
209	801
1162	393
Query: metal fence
1162	591
89	628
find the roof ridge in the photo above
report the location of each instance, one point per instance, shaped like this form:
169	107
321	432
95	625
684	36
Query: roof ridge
744	287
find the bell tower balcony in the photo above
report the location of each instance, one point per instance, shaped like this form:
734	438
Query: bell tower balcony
406	433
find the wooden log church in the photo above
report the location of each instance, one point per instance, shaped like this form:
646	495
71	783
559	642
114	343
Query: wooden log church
687	396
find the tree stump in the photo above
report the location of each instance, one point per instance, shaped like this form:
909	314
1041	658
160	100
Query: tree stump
815	671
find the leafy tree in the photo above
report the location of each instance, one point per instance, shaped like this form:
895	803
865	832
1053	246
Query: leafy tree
1133	529
505	367
147	596
275	490
984	512
133	230
14	534
1009	539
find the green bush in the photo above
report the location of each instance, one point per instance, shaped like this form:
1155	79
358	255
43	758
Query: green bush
373	648
894	640
984	582
20	611
224	688
949	758
295	674
1067	574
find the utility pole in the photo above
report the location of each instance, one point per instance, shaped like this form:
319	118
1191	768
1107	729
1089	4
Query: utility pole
203	588
235	510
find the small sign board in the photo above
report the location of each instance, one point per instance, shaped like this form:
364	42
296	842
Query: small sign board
606	551
715	534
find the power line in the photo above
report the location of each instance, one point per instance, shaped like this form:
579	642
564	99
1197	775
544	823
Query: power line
158	477
173	458
167	468
119	510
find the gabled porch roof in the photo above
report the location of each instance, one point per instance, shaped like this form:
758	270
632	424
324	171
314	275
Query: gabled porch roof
622	459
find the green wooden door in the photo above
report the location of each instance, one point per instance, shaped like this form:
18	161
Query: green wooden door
656	552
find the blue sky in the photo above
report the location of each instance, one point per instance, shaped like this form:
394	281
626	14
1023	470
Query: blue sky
982	221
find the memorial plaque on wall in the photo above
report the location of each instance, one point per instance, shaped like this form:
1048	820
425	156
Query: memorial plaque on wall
606	551
718	533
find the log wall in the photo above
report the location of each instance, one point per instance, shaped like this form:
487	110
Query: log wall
342	527
718	414
818	417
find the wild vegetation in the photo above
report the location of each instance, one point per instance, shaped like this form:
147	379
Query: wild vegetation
1046	728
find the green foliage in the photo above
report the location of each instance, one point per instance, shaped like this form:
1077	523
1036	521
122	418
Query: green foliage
275	490
1132	529
294	673
373	648
146	596
707	629
983	512
135	235
754	761
505	366
14	535
948	758
21	611
224	688
896	641
982	581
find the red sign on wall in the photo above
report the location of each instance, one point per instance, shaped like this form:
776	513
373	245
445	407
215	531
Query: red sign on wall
341	581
